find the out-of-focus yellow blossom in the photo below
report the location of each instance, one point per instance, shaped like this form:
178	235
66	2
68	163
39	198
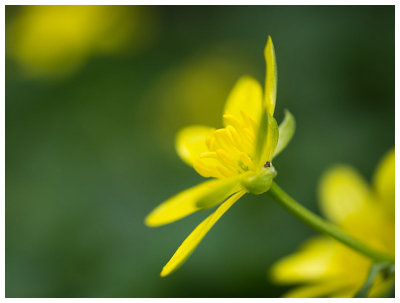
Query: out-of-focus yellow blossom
194	90
49	41
327	268
238	157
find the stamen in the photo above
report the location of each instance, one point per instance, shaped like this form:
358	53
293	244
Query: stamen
248	120
235	137
233	121
212	155
224	171
246	160
209	140
222	139
205	170
249	135
226	158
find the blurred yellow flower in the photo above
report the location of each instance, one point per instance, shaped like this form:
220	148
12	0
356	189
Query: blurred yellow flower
237	156
327	268
194	90
56	40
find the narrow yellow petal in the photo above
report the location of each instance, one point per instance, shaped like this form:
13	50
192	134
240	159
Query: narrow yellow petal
270	77
246	96
342	193
219	194
182	204
190	142
384	182
191	242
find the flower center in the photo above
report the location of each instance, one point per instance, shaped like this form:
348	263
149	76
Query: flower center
230	149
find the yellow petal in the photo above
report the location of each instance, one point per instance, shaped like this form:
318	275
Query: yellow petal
311	263
246	97
191	142
219	193
342	193
384	183
191	242
270	77
182	204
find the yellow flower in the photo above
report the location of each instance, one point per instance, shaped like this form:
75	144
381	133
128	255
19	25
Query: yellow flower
238	157
50	41
327	268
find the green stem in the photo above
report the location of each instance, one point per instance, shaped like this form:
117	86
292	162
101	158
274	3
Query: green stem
323	226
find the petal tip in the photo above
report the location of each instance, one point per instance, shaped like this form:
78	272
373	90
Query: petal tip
151	220
168	269
148	222
269	45
163	273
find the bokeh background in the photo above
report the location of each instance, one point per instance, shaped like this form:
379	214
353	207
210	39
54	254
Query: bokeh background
94	96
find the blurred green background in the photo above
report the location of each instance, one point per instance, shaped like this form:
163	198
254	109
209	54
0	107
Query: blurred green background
90	126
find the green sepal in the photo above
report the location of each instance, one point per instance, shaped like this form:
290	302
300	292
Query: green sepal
262	134
261	182
286	132
267	139
272	140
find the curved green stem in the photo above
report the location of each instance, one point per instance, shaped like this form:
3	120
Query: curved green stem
323	226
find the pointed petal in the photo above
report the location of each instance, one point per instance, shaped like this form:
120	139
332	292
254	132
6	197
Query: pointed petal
245	96
384	182
190	142
182	204
270	77
311	263
191	242
286	132
343	192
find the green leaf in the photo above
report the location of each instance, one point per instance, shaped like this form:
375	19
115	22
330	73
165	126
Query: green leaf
286	132
375	269
218	194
